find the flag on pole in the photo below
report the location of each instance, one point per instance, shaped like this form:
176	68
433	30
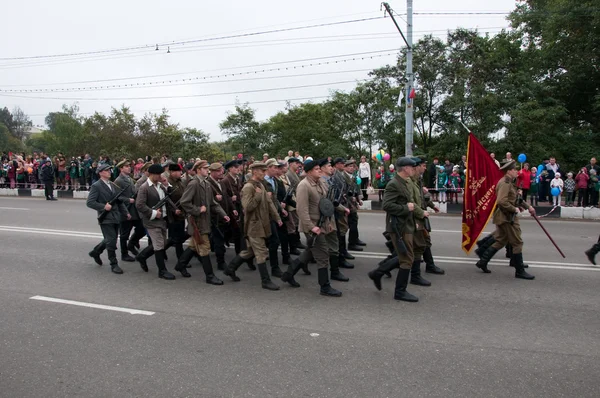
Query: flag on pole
412	94
479	201
400	97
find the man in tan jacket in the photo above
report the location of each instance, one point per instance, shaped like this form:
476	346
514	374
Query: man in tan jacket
259	211
198	203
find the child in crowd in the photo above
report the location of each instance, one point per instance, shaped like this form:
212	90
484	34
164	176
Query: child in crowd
557	182
441	183
569	189
594	186
454	181
533	187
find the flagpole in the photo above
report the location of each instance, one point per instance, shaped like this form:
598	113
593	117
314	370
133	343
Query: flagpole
466	128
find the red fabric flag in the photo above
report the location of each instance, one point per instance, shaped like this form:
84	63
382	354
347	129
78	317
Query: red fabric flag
479	201
412	94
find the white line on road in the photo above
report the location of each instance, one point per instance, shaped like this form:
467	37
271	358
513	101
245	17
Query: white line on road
13	208
91	305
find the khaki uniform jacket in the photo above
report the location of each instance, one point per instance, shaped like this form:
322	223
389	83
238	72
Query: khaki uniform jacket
506	200
231	187
308	196
259	210
199	193
128	182
148	197
398	194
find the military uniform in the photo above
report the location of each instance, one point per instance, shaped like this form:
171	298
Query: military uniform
259	211
101	193
293	180
199	204
340	184
401	226
275	238
508	229
217	236
176	222
231	188
127	243
354	243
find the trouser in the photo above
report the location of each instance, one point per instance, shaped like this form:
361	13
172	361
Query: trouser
158	236
282	233
533	198
508	233
420	243
49	189
201	248
556	200
292	222
218	243
322	247
273	242
525	191
405	260
353	227
364	184
233	234
177	236
570	196
110	232
256	247
125	230
581	197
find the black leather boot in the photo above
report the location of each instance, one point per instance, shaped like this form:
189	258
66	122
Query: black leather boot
132	249
292	270
354	247
344	263
385	267
274	262
326	289
520	272
145	255
483	244
360	242
286	259
293	240
114	265
183	261
304	259
265	279
343	250
336	275
232	267
400	292
96	256
126	257
509	251
591	253
250	263
415	274
211	279
430	266
163	273
485	259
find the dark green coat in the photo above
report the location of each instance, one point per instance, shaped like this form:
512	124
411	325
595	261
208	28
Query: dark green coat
398	194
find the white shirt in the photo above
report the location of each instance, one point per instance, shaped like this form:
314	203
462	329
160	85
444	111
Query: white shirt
161	195
109	185
364	170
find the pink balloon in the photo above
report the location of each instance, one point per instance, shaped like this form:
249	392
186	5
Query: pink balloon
239	155
386	156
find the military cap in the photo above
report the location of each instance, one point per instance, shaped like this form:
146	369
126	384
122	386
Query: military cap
310	164
349	162
215	166
418	161
323	162
146	166
122	163
511	164
405	161
103	167
281	164
156	169
294	160
258	165
189	166
231	163
271	162
200	164
174	167
338	160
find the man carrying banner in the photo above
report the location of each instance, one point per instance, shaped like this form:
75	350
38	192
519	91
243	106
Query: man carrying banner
508	230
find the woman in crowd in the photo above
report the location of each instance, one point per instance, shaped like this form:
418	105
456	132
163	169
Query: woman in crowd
581	179
524	180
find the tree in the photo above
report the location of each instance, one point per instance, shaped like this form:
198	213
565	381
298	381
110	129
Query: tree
8	142
244	131
21	123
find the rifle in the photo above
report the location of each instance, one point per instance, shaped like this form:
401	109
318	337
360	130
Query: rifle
401	247
426	221
197	236
164	200
112	202
288	197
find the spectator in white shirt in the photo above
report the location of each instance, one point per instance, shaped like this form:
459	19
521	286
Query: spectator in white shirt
364	172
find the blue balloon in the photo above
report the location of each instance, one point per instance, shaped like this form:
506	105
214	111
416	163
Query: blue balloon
555	191
540	168
522	158
358	180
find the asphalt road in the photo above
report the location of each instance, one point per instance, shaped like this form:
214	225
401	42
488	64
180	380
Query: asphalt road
471	334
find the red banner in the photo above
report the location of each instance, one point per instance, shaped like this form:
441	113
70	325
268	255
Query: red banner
479	201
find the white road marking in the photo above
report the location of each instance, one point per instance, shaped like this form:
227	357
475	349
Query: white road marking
91	305
13	208
314	335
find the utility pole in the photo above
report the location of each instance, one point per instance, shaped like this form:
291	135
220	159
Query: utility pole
410	78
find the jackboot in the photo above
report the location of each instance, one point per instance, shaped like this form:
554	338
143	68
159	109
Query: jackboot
354	247
485	259
519	269
293	240
359	242
326	289
114	265
591	253
344	263
96	256
430	266
299	243
304	259
132	249
483	244
415	275
292	270
163	273
336	275
250	263
343	250
509	251
511	263
126	257
145	255
286	259
211	279
265	280
183	261
400	292
385	267
274	262
232	267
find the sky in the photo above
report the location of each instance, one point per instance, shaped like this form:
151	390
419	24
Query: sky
211	55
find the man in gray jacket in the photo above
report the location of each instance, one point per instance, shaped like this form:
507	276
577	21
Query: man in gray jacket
101	194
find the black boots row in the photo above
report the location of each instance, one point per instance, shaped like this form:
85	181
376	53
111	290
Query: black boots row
402	278
265	278
591	253
516	261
